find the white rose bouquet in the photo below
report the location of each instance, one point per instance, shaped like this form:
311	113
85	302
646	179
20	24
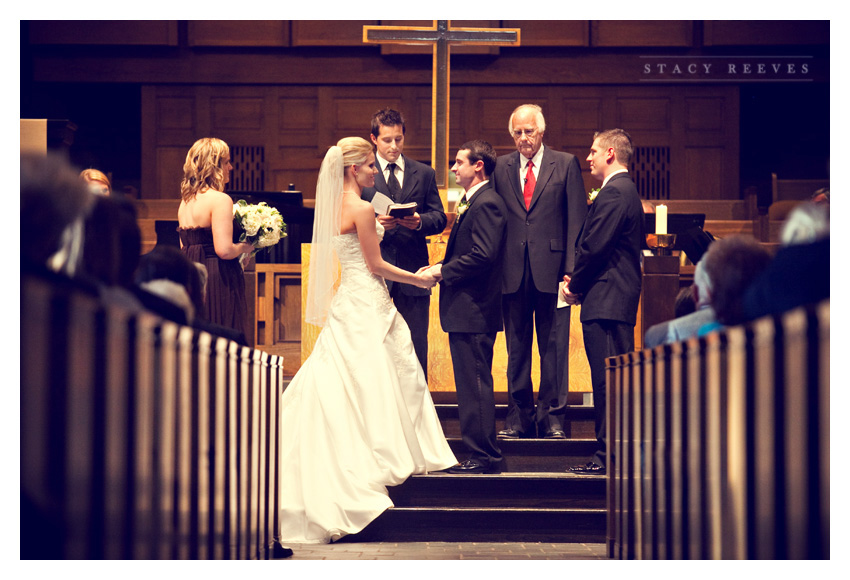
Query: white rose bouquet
262	225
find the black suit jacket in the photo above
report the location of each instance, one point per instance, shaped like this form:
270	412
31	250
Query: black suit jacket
549	227
471	289
406	248
607	265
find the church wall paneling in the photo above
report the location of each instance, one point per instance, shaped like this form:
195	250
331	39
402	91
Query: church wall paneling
697	125
765	32
329	32
616	33
237	33
548	33
104	32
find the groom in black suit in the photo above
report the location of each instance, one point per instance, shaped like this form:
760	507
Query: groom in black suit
470	303
546	205
606	279
405	180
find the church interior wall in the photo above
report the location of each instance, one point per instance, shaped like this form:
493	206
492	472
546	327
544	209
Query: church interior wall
140	93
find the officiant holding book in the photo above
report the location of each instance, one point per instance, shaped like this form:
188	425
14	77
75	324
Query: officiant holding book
402	180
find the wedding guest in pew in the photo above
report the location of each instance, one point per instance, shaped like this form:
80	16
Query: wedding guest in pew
685	326
799	272
53	204
168	275
112	244
732	264
97	181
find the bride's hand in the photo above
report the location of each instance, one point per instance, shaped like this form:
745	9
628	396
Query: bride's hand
426	279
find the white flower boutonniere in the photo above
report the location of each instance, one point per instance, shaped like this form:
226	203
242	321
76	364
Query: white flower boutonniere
461	206
591	196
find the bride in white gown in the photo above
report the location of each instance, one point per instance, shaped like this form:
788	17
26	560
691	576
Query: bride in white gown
358	416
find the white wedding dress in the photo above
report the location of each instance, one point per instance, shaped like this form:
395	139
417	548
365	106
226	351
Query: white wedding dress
358	415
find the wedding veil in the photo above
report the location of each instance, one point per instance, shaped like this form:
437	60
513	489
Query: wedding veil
324	266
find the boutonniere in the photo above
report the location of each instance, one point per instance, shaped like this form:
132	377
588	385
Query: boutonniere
591	196
461	207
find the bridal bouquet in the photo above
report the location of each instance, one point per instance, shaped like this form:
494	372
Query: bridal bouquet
262	225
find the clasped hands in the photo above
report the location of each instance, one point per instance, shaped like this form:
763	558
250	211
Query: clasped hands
569	297
410	222
430	275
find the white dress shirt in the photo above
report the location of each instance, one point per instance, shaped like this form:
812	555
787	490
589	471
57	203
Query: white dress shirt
523	166
399	173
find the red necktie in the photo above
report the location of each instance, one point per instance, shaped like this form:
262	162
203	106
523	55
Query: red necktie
530	182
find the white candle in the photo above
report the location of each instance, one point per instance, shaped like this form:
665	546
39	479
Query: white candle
661	219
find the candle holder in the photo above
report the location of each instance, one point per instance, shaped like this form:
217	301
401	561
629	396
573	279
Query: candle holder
661	244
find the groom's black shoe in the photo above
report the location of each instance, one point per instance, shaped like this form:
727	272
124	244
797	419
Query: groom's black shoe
473	466
588	468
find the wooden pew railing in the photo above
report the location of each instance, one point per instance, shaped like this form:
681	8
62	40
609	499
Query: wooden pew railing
140	438
721	444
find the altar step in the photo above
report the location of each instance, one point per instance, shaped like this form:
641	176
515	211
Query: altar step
533	500
531	455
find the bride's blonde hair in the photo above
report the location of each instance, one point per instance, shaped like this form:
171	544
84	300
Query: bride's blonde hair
355	150
203	167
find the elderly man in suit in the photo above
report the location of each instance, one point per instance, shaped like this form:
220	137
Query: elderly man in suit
606	279
470	303
406	180
546	203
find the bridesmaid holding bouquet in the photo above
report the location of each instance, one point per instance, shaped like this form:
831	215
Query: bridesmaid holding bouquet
205	220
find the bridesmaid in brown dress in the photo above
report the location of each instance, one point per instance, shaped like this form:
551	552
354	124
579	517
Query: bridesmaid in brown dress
205	218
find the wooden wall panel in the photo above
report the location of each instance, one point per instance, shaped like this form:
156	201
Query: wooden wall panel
228	113
295	125
329	32
238	33
102	32
175	113
551	32
704	114
705	167
765	32
641	33
296	115
169	164
648	115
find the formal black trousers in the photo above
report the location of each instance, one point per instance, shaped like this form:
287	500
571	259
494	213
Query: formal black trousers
414	310
525	311
604	338
472	361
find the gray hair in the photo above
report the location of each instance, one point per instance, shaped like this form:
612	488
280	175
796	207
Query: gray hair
541	122
702	283
807	223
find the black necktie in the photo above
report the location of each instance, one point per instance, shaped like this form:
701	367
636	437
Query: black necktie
392	182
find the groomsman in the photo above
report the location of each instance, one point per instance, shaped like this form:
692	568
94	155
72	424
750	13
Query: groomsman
470	303
606	279
544	195
406	180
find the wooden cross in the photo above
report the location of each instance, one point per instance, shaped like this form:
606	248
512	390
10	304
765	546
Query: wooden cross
441	36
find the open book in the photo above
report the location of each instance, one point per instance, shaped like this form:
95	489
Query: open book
401	210
384	206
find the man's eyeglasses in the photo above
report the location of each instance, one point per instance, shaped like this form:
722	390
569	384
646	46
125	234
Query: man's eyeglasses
518	133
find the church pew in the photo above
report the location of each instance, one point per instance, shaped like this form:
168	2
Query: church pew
140	438
720	445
